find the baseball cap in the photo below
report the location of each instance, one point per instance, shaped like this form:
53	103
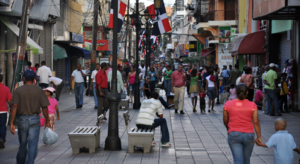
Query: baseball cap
29	74
272	65
50	89
148	77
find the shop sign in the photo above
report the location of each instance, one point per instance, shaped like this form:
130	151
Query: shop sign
102	45
262	8
193	46
224	34
224	57
5	2
76	37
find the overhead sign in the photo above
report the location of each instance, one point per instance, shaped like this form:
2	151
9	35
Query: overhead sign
224	34
262	8
193	46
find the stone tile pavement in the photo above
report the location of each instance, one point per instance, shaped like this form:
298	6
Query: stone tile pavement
196	138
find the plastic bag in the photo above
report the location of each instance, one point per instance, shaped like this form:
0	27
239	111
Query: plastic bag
49	137
124	91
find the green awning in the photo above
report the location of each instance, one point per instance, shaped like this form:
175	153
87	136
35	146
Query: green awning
36	49
59	52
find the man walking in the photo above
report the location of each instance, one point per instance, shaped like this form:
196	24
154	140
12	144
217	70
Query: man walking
270	81
264	106
146	118
5	98
177	84
234	74
58	84
102	90
225	74
43	74
78	77
93	84
26	103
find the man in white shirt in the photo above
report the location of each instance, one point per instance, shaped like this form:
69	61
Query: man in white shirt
43	74
146	118
93	84
119	81
78	76
58	84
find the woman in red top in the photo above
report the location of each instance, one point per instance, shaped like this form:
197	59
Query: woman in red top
239	116
130	81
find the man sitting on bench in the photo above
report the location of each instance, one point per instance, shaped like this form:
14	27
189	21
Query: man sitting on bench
147	91
146	118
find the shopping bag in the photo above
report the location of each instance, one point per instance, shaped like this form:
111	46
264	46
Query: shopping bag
42	120
49	137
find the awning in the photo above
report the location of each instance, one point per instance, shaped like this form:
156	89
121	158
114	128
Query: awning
250	44
36	49
59	52
74	50
202	36
208	52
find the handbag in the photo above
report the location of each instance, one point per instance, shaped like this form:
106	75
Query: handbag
42	120
212	78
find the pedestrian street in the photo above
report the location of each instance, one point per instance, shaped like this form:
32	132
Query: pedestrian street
195	138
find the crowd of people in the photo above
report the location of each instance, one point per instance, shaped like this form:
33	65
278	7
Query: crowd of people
33	96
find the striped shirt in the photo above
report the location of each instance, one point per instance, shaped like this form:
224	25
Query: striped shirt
148	111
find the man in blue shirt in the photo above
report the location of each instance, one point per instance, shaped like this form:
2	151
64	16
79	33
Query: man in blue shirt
225	74
283	143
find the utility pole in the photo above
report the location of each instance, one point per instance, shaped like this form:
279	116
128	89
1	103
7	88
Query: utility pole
94	38
21	47
127	24
130	43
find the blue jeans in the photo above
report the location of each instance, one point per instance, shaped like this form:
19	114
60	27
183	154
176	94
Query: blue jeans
78	88
241	146
3	119
225	81
163	102
167	86
271	95
28	131
163	128
141	85
95	95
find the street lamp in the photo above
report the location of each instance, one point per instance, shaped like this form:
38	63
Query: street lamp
113	141
157	4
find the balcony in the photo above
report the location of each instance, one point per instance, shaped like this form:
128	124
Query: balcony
178	15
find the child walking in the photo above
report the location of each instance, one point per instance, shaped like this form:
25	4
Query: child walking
202	100
232	94
283	143
52	108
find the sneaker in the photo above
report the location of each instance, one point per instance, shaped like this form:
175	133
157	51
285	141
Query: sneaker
176	110
278	114
166	144
2	144
171	105
153	143
181	112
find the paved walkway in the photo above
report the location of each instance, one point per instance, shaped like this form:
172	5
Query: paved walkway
196	138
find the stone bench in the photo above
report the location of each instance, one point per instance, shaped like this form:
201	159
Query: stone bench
85	137
124	104
138	137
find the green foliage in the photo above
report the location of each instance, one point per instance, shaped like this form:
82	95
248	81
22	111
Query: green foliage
125	60
193	60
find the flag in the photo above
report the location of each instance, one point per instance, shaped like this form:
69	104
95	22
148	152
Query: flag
142	36
161	25
121	14
152	11
153	39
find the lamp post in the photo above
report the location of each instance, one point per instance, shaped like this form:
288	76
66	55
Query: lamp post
113	141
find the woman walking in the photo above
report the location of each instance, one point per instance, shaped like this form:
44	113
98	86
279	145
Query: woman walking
167	80
248	79
239	117
211	89
194	88
153	75
130	81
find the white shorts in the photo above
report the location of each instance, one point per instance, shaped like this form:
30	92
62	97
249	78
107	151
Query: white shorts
194	94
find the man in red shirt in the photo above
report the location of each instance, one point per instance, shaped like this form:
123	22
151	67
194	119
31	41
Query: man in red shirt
177	84
5	97
29	66
102	90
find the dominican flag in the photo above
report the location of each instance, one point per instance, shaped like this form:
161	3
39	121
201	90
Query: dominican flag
153	39
121	14
161	25
142	36
152	11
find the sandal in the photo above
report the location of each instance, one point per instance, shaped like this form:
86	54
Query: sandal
194	109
